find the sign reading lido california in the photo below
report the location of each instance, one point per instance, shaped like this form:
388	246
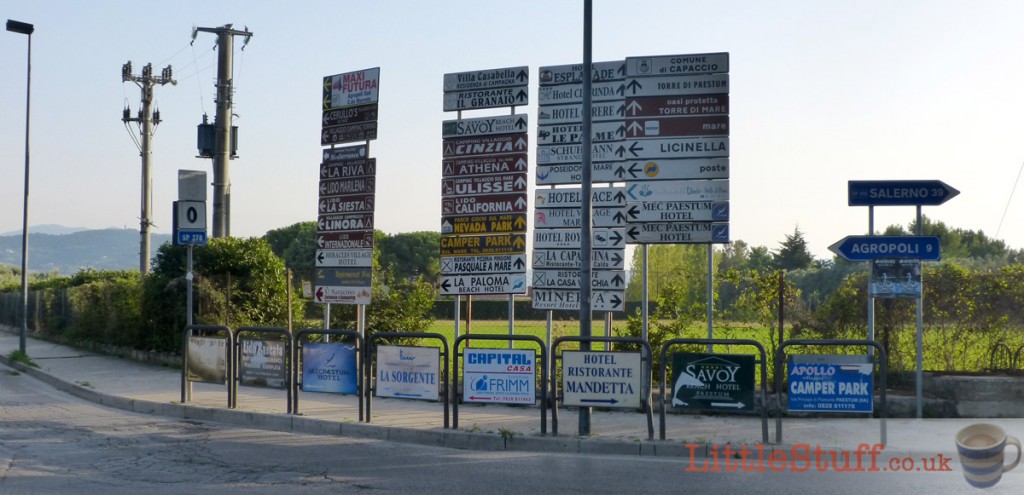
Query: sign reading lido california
605	379
407	372
502	376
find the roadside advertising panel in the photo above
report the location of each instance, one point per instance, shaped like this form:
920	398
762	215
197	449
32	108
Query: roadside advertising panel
329	368
408	372
504	376
828	383
207	360
263	364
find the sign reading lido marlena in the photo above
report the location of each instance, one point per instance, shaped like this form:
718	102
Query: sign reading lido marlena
605	379
408	372
329	368
503	376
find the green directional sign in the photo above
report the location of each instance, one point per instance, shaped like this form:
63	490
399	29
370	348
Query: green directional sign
720	382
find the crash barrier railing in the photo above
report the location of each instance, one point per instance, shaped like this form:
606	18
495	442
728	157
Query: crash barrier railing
205	367
372	362
298	364
538	374
645	380
266	365
665	400
881	361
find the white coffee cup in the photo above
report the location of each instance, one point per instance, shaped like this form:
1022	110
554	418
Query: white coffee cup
981	448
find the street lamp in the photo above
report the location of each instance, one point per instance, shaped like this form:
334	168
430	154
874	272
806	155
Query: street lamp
26	29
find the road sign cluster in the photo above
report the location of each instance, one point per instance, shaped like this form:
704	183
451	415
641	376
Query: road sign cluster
345	209
484	184
558	215
676	149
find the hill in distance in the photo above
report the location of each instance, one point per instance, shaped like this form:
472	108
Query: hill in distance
77	249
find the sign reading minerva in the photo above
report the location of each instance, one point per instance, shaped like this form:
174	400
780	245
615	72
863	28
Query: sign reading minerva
605	379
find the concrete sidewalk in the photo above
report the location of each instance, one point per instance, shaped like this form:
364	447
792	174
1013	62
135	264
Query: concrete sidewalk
156	390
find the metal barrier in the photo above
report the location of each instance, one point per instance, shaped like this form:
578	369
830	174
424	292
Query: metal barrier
780	354
456	393
297	375
288	374
744	342
645	355
1016	359
994	354
371	343
186	384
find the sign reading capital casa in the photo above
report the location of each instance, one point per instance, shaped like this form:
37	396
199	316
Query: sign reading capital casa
713	381
603	379
823	383
503	376
407	372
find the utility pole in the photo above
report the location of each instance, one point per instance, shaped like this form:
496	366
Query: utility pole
224	148
147	120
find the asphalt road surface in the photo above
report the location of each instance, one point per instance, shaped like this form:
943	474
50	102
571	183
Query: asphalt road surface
51	442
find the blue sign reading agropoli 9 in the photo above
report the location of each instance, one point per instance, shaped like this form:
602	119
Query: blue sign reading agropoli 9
824	383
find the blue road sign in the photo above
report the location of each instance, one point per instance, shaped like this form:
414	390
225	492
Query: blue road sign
194	237
899	192
867	247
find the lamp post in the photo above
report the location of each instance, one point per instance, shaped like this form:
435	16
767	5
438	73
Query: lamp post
26	29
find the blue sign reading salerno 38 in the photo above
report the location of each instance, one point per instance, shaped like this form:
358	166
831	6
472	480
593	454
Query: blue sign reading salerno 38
821	383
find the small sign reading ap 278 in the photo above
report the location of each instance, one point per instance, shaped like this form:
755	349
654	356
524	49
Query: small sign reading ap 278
190	223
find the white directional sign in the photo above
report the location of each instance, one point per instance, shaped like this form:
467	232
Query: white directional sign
571	238
497	283
678	190
486	98
678	211
468	265
600	259
678	233
487	79
600	132
573	94
344	257
602	379
485	126
484	184
570	279
573	73
600	111
351	88
668	169
677	85
572	197
484	165
668	65
341	222
560	218
330	294
688	147
484	145
573	153
569	299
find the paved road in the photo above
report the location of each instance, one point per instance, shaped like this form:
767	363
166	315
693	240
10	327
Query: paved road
51	442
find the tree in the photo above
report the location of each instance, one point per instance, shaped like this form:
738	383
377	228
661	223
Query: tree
793	253
412	255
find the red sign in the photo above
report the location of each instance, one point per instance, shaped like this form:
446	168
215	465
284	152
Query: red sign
346	204
484	165
677	106
348	185
362	239
483	184
341	222
486	145
484	204
717	125
348	168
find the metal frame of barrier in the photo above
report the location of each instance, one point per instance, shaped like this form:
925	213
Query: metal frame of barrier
645	403
289	366
371	346
744	342
360	362
456	393
186	384
882	363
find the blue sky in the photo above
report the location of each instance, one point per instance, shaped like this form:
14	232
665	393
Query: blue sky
821	93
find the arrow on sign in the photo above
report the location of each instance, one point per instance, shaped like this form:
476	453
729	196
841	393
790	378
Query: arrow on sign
446	284
634	107
600	401
519	263
634	86
737	405
320	257
320	294
633	212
